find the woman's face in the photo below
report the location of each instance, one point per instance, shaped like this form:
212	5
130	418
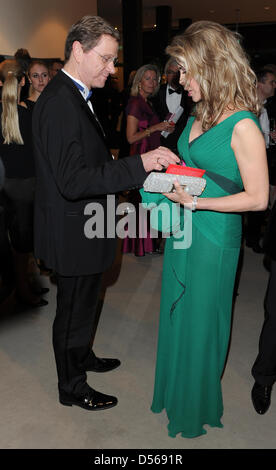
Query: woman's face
39	77
148	83
190	85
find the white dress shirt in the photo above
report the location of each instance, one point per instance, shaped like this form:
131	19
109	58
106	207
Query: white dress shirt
84	93
173	100
264	123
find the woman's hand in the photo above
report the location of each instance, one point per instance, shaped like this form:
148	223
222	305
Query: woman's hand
180	195
135	135
163	126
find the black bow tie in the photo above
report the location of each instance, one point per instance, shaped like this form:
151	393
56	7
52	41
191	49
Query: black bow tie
178	91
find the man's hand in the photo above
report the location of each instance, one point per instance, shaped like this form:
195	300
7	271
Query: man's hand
158	159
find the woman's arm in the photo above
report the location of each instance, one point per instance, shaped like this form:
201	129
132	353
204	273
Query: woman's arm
134	135
249	148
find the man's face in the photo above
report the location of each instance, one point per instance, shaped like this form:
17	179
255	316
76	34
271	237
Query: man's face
98	63
173	75
267	86
56	66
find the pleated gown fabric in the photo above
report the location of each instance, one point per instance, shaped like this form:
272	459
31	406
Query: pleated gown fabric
197	290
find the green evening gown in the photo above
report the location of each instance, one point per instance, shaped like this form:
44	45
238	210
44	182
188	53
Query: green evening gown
197	290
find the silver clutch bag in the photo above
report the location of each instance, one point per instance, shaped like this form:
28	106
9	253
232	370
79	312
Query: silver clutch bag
163	183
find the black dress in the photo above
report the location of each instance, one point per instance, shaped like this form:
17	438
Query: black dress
29	103
17	196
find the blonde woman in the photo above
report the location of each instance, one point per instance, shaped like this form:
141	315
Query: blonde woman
143	124
143	133
223	137
17	156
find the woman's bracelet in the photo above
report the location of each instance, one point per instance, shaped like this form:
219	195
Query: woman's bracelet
148	132
194	203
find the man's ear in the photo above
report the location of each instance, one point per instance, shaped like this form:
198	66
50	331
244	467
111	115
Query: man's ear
77	51
1	83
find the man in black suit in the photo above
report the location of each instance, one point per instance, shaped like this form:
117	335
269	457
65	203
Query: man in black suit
168	99
75	171
264	368
266	85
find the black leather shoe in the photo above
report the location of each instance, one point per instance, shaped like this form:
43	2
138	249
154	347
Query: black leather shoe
92	400
261	398
102	365
257	248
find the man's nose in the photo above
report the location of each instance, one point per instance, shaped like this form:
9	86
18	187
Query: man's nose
111	67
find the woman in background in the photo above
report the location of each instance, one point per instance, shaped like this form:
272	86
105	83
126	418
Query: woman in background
39	77
18	192
143	134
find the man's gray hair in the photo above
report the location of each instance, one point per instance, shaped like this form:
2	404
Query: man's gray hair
88	31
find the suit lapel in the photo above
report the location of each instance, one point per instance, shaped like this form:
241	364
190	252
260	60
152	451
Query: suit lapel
93	118
163	92
83	104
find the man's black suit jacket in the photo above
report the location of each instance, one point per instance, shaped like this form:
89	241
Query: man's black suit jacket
160	105
74	167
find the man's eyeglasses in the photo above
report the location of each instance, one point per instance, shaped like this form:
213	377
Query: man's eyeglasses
106	60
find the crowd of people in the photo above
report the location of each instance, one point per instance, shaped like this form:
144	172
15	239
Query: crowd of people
213	112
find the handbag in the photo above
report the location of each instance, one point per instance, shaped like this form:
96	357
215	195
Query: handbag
163	183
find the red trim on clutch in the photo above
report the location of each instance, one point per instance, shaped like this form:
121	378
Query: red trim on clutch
185	170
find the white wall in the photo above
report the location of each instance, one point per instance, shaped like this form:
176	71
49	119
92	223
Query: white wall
40	26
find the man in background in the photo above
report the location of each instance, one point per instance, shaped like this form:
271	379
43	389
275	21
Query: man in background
170	97
54	67
256	220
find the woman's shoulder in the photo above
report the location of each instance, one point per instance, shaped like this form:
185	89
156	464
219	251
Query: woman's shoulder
134	99
134	106
23	104
247	129
27	103
244	118
23	110
241	114
238	118
245	113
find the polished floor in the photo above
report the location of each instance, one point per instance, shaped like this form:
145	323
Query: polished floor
32	418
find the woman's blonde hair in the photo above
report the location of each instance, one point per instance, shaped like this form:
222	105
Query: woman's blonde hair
212	55
139	75
10	75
